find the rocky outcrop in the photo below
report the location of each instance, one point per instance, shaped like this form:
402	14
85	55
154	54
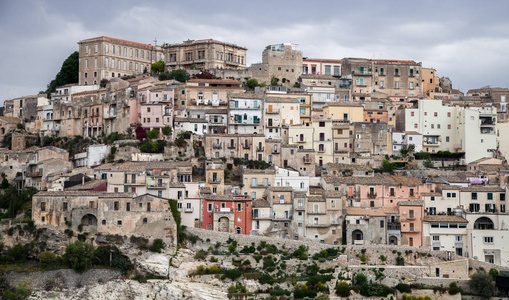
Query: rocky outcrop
155	263
129	289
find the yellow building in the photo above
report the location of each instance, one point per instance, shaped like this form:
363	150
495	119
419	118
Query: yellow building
344	111
430	80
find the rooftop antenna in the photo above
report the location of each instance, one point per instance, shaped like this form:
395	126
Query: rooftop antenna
155	41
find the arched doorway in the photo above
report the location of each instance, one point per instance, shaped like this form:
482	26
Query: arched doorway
89	220
393	240
357	235
484	223
224	224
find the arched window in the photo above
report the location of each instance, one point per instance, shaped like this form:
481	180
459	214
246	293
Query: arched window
145	220
484	223
239	230
103	222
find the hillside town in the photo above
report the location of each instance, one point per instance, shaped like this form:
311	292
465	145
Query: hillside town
359	154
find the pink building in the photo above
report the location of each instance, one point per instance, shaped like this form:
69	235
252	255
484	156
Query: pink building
153	107
411	214
390	190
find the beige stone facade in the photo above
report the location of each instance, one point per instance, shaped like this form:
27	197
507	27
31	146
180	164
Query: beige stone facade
106	57
204	54
108	213
401	78
282	61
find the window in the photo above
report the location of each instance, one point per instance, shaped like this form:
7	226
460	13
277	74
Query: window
43	206
412	113
115	205
436	238
382	224
459	238
396	84
488	240
119	222
128	207
474	196
502	197
209	207
64	208
490	196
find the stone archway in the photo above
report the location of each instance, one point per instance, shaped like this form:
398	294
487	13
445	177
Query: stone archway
357	235
89	220
224	224
393	240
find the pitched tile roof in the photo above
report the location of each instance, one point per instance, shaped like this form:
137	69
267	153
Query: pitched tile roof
445	218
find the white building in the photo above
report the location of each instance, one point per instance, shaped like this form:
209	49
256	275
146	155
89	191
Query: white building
290	178
92	157
446	233
279	114
245	114
468	129
402	139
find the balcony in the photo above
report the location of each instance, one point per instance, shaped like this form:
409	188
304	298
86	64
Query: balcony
230	146
411	217
303	140
157	185
431	143
259	149
318	225
435	244
215	180
35	174
256	185
216	146
307	161
189	209
272	111
275	151
300	207
372	195
317	212
247	147
224	210
362	73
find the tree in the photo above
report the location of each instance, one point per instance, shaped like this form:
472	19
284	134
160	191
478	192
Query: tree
167	131
157	67
252	83
141	133
69	73
153	134
79	256
179	75
387	166
360	279
342	289
274	80
482	284
204	75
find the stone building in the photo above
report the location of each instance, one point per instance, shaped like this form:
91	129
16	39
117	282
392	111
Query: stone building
204	54
245	113
281	61
24	108
280	113
106	57
401	78
230	146
8	124
367	226
109	213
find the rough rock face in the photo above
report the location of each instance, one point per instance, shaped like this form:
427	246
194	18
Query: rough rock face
158	264
129	289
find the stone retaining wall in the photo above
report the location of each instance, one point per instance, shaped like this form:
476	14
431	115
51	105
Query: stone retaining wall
59	279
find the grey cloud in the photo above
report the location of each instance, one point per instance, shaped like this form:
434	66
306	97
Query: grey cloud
461	39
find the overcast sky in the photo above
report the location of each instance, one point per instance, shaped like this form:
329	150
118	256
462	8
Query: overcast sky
467	41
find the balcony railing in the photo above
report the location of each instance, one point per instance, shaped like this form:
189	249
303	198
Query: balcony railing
216	146
411	216
215	180
189	209
157	185
259	149
301	140
273	111
372	195
230	146
307	161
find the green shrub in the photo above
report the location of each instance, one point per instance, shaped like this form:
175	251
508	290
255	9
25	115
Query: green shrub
360	279
18	253
257	258
47	258
403	288
232	274
376	290
363	258
201	255
266	279
79	255
400	261
383	258
157	246
342	289
454	289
